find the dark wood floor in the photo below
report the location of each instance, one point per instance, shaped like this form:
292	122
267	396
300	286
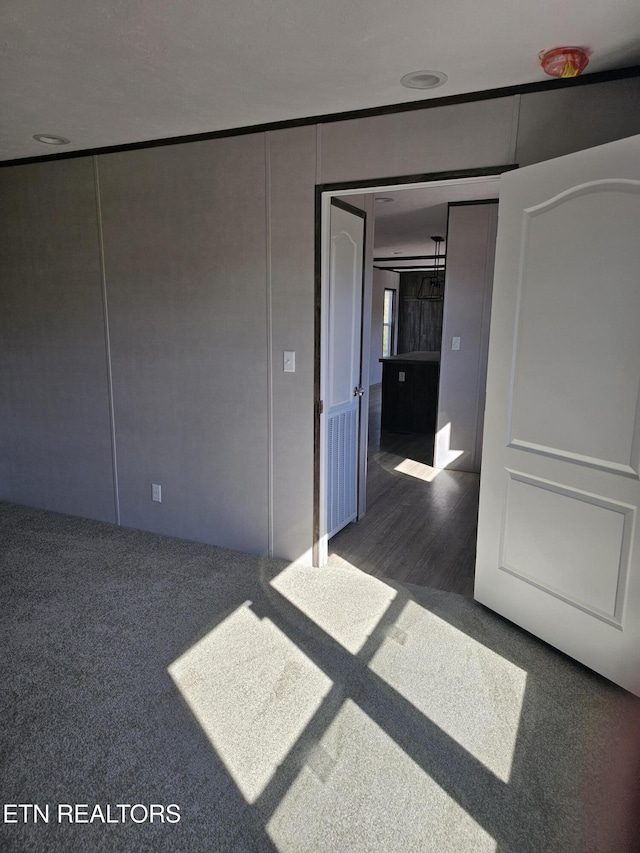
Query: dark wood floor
421	522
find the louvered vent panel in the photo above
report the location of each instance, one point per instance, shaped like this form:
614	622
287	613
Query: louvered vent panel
342	451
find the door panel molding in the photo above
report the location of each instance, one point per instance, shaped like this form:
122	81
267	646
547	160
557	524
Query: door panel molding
529	538
576	458
562	329
340	387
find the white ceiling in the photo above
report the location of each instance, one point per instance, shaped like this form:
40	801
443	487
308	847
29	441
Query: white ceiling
121	71
405	225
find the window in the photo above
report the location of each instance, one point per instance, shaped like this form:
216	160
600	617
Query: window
388	322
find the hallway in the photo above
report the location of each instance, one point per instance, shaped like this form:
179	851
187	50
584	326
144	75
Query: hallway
420	526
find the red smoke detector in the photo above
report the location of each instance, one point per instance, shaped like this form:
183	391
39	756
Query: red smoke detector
564	61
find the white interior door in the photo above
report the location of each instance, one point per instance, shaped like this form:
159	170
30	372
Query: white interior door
343	390
557	538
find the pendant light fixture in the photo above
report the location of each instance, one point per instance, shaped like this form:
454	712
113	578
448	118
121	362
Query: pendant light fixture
432	286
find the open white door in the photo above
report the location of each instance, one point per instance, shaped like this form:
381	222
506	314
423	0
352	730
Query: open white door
557	538
343	391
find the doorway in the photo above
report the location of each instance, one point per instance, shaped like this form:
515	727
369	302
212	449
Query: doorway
410	508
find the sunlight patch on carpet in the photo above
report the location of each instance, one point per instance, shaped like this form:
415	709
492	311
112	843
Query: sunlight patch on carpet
343	601
467	690
253	692
365	777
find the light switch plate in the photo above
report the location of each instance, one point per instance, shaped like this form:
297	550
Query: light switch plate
455	343
401	376
289	362
156	492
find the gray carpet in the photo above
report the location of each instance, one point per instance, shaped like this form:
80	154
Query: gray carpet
284	708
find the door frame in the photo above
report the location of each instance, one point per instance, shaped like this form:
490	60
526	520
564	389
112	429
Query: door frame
324	193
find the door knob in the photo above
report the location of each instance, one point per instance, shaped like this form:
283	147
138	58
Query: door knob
358	391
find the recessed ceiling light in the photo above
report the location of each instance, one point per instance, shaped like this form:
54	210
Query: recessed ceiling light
383	198
424	79
50	139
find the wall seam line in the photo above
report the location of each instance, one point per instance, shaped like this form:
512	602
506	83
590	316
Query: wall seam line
318	154
269	309
107	339
515	126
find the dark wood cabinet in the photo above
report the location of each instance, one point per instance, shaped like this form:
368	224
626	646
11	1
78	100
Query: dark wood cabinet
410	392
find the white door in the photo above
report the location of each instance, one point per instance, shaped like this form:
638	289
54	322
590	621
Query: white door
558	550
343	390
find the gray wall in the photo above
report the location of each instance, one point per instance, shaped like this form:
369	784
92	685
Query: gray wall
189	368
208	274
471	245
55	433
292	171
